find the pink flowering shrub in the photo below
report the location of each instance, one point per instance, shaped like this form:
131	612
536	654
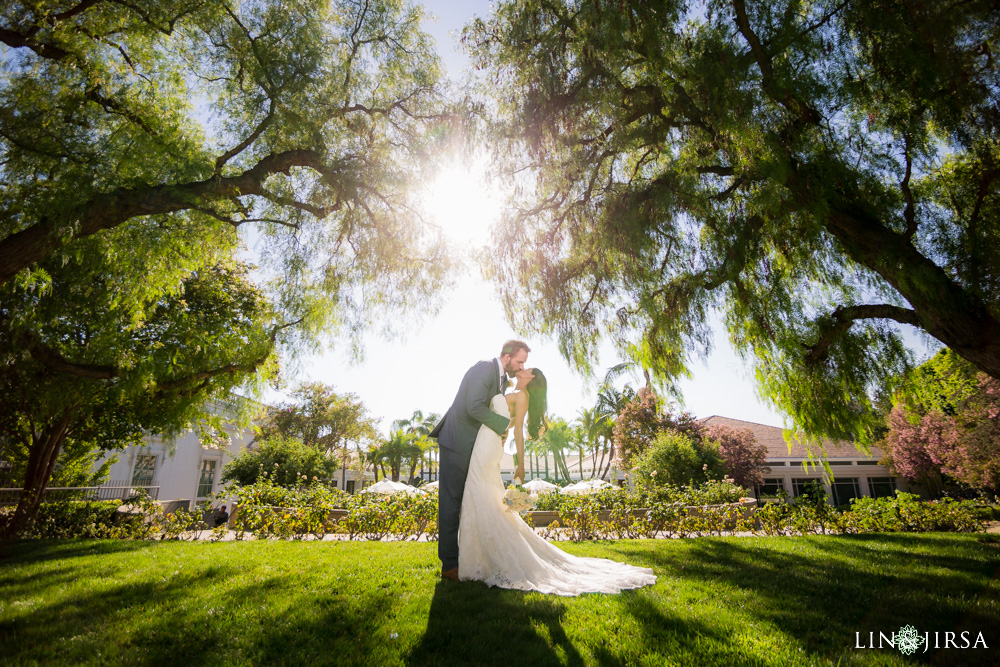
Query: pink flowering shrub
960	438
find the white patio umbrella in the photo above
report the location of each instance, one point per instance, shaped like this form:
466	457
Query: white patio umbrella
587	486
540	486
431	485
389	486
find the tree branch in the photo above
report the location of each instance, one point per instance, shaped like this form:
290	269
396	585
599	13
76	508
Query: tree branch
115	107
51	359
107	211
204	376
763	59
18	40
840	320
240	147
908	213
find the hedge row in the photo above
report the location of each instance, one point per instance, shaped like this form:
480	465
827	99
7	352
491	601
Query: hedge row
266	511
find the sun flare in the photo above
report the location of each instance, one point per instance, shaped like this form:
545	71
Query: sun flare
463	205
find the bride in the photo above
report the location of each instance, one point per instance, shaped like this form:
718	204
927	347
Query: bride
497	547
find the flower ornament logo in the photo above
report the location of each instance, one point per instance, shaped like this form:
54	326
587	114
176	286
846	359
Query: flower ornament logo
908	640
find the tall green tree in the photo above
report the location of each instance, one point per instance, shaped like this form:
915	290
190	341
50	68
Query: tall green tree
86	380
144	145
396	451
822	173
174	131
323	419
556	439
590	428
610	403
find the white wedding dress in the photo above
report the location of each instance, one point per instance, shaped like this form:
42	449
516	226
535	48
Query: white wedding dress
497	547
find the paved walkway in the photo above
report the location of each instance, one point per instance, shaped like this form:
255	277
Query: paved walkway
230	536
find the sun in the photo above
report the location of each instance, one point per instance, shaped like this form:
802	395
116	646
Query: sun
462	204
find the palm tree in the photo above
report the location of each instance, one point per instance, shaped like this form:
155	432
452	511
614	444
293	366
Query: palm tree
400	448
589	424
556	440
421	425
373	458
610	402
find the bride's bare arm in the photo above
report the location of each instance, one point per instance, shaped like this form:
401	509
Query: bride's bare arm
520	405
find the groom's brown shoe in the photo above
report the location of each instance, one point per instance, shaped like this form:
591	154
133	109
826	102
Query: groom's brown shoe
450	574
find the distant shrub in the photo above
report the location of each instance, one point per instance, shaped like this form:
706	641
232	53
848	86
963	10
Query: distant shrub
283	461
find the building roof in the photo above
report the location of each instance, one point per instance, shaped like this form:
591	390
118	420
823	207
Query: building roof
773	438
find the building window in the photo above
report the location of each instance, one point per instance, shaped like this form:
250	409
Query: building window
841	463
844	490
350	486
799	485
868	463
207	479
142	473
770	488
881	487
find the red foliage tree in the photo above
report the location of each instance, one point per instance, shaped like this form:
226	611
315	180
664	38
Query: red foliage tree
959	436
640	421
744	459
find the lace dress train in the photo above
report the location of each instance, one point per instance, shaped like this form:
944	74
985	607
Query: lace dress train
497	547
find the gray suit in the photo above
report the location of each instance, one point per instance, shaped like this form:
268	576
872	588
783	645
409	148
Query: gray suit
456	434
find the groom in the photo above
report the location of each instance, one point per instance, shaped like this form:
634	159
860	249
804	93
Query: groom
456	434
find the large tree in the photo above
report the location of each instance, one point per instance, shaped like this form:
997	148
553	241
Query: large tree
398	449
169	131
145	145
421	425
820	172
86	378
323	419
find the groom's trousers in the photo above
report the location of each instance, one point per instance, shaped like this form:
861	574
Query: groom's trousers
451	487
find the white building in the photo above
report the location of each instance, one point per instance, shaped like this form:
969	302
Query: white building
187	470
182	470
855	475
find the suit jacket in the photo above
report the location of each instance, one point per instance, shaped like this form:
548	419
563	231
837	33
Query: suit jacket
471	409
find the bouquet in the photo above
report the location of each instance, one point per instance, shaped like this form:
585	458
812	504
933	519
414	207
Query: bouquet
517	499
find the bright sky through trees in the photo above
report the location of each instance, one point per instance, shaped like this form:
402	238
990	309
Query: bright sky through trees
422	370
463	204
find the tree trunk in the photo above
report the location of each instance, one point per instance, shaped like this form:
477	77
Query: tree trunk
41	462
565	466
106	211
604	450
943	308
343	474
611	455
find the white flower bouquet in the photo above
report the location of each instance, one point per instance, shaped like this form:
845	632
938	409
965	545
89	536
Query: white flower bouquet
517	499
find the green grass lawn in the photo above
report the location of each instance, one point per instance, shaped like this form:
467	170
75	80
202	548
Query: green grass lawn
717	601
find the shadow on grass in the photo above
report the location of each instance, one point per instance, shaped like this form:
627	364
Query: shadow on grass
859	583
216	614
471	623
44	550
82	617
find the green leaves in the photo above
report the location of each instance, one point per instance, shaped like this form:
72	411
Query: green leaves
816	172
